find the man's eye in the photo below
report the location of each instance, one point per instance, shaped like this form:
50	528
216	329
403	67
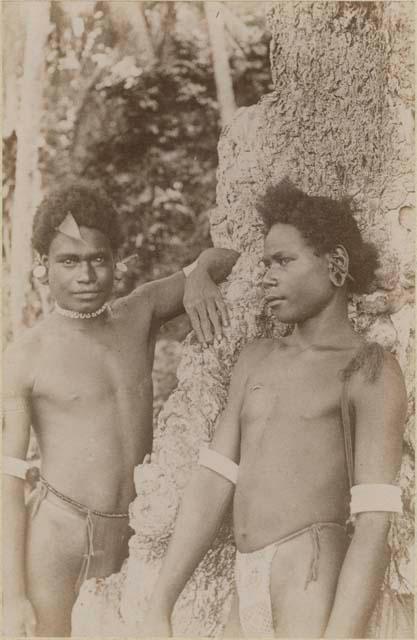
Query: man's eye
99	259
69	261
284	261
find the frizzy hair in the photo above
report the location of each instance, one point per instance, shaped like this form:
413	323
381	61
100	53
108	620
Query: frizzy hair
324	223
90	207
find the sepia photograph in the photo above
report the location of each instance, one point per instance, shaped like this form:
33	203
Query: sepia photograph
208	319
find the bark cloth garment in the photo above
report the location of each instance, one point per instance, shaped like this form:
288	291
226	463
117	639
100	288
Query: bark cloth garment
106	534
253	578
253	569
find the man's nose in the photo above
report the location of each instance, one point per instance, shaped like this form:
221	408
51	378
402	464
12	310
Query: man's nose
86	272
270	278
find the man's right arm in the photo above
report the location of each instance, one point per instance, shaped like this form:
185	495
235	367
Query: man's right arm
203	506
18	617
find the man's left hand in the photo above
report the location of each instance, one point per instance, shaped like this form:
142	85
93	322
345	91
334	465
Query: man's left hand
205	306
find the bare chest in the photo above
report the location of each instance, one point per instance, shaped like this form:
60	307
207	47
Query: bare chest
81	368
292	406
307	393
291	430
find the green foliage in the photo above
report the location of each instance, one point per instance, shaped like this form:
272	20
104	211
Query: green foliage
160	163
148	132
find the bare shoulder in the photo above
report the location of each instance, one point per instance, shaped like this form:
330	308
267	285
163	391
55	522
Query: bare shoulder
251	356
379	399
255	351
380	388
26	345
138	302
385	373
20	358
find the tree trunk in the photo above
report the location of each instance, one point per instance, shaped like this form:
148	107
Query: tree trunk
165	47
28	127
13	36
222	76
338	122
134	35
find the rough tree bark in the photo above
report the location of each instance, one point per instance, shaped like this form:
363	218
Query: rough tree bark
28	128
339	121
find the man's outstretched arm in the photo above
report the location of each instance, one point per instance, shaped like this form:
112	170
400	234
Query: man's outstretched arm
197	294
201	513
380	409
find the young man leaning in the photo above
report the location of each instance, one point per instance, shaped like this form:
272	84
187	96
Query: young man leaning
283	449
82	378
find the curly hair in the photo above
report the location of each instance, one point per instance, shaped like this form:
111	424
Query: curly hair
89	206
324	223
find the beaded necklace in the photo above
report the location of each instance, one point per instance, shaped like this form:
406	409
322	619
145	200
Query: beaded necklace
79	315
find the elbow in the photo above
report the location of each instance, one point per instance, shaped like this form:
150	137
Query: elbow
234	256
223	264
231	259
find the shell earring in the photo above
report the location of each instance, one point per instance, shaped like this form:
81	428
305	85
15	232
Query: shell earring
121	267
39	271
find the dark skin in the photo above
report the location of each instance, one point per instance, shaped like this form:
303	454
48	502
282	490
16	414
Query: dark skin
282	426
85	385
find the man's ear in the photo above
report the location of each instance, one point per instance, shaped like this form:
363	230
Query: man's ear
340	257
338	265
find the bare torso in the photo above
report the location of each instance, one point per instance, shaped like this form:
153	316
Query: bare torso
92	405
292	469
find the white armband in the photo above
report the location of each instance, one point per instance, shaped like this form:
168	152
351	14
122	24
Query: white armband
189	268
218	463
375	497
15	467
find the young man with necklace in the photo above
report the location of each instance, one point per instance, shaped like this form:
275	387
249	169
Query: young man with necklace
82	378
283	449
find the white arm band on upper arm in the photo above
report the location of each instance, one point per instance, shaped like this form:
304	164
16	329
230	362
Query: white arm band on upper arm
375	497
218	463
15	467
190	267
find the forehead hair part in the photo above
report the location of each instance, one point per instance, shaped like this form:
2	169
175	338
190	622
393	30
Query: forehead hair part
73	206
69	227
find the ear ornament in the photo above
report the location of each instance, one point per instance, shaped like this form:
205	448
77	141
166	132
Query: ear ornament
39	271
122	267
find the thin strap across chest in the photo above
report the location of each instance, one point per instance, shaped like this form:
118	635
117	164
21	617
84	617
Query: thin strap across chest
347	431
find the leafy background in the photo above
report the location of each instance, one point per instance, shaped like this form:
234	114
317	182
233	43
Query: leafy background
144	124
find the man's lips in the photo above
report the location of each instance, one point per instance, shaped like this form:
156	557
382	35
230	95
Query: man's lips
270	299
87	293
